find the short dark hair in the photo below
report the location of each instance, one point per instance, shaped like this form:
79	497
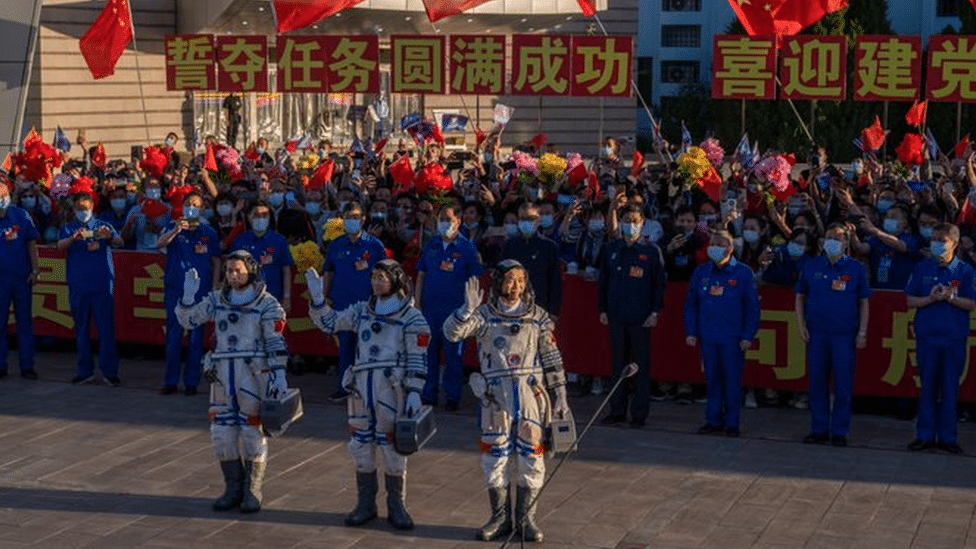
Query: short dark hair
947	229
631	208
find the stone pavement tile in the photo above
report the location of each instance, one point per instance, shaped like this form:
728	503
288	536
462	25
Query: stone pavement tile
68	540
861	494
817	489
880	538
769	491
897	519
803	511
950	514
787	532
730	538
688	526
593	534
822	540
941	534
954	494
899	495
749	516
844	523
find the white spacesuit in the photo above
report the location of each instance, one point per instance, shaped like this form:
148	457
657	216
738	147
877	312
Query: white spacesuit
384	381
519	362
246	366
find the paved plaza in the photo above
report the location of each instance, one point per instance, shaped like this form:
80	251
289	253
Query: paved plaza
101	467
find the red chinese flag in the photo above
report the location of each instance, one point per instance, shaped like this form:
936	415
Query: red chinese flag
8	163
107	38
588	7
872	138
782	17
638	163
402	173
98	157
298	14
439	9
323	175
961	147
539	141
210	163
436	133
916	114
479	136
378	148
577	175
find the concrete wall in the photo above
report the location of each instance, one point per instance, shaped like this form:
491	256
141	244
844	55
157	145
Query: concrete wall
15	31
111	109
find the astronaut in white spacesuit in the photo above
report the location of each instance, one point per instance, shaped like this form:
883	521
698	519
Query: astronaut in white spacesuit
521	365
246	366
384	381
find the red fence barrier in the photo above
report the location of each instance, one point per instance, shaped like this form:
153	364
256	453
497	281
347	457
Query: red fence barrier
777	358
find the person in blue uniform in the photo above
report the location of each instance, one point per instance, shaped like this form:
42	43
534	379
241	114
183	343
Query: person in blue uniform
18	272
270	250
540	257
893	249
346	279
189	244
631	296
445	265
88	243
722	315
941	292
832	318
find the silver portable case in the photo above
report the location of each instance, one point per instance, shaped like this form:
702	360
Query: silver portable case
278	414
562	435
413	433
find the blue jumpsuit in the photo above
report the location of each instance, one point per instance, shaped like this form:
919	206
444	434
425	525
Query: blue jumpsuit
271	252
722	310
448	267
941	334
890	269
16	232
190	249
833	294
350	264
91	282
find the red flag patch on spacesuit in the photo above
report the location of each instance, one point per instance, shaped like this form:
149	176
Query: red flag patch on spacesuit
280	326
423	340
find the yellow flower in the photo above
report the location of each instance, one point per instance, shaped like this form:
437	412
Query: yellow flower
333	229
551	165
306	255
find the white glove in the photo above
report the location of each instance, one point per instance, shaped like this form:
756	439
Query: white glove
413	404
561	408
472	295
277	383
191	284
315	286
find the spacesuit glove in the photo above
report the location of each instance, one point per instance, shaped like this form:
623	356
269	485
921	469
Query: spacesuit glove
277	384
191	284
315	286
413	404
560	408
472	297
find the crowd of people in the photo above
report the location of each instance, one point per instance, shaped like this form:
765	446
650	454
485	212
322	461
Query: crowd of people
446	216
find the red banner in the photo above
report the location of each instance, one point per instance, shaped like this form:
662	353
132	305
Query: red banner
190	62
301	64
887	68
601	66
952	69
242	63
417	64
887	367
814	67
541	64
477	64
744	67
353	64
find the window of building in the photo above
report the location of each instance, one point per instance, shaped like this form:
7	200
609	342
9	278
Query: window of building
681	36
645	78
679	72
680	5
947	8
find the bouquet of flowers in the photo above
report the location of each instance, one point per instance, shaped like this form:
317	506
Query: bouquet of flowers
713	152
305	255
696	170
308	162
551	167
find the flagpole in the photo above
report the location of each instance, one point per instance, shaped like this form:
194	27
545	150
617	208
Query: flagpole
35	32
135	54
797	113
633	83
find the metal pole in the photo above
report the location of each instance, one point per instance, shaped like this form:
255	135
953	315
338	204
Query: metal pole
958	122
743	118
633	83
813	117
28	71
135	54
884	147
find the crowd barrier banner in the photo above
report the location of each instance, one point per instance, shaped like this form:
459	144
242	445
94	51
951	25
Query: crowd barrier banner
777	358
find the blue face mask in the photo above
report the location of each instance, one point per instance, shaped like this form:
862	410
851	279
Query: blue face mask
191	212
119	204
313	208
565	199
170	142
83	215
938	249
4	202
884	205
526	227
750	236
833	247
891	226
153	193
716	253
131	197
445	228
30	202
597	225
546	221
630	230
260	224
926	232
511	229
353	226
276	199
795	250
